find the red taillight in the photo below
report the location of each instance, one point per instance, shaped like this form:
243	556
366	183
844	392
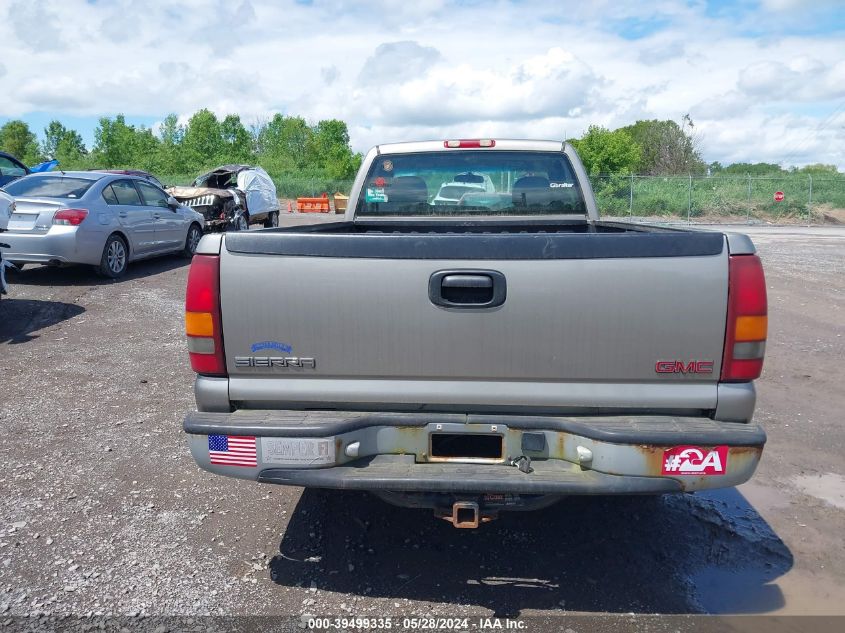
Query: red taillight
70	217
747	324
202	316
469	142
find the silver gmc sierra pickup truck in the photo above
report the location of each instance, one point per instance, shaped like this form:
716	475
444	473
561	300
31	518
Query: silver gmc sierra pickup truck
472	338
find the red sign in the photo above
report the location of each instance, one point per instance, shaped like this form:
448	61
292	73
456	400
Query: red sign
778	196
692	460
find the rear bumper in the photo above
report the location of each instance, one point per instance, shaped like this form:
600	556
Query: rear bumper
61	244
391	452
399	473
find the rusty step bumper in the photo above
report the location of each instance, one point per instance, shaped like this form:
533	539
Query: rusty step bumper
401	473
531	454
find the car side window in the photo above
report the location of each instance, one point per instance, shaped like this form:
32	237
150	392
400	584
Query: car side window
153	196
108	195
8	168
125	192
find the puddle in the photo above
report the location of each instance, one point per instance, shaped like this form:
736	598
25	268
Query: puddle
722	591
746	558
765	581
828	487
807	594
726	591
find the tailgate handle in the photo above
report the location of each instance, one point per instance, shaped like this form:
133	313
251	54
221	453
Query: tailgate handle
467	281
467	288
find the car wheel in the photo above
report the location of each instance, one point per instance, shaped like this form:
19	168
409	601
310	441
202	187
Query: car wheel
272	220
241	223
191	241
115	258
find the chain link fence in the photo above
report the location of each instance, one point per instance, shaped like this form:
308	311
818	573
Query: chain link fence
694	198
711	198
288	187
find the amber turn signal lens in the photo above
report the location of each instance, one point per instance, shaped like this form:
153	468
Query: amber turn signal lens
751	328
199	324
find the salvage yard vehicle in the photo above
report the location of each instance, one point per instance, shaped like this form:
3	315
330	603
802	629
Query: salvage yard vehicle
462	185
103	219
232	197
11	169
7	206
477	358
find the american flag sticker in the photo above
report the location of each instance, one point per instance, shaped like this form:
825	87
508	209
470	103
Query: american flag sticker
232	450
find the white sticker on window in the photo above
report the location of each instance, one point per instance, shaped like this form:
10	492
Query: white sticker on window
375	194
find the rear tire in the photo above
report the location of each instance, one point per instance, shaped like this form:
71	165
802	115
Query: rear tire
272	220
115	258
240	223
193	238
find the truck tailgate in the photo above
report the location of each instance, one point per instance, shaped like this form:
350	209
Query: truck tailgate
574	331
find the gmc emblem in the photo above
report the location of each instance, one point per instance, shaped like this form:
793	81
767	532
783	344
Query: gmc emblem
679	367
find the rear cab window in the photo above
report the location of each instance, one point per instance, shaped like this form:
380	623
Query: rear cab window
468	183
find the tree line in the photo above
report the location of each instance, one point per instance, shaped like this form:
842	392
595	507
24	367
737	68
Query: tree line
288	146
665	148
282	145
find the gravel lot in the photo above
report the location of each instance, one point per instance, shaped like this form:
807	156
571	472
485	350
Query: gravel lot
103	509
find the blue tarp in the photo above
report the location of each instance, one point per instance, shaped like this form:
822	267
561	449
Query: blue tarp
45	166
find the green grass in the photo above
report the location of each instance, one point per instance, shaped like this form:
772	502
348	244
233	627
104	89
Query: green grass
717	195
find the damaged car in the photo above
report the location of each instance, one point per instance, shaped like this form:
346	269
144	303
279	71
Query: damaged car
232	197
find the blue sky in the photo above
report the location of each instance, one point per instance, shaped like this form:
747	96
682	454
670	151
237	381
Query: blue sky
756	76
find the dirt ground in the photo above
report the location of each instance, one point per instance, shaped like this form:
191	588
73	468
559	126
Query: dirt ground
104	511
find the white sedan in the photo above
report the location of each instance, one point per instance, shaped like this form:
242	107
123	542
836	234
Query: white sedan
7	207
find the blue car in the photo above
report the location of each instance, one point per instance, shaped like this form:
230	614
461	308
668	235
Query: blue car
11	169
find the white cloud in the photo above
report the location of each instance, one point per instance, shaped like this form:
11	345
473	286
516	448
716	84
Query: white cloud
792	5
554	83
35	25
396	62
432	68
729	105
801	79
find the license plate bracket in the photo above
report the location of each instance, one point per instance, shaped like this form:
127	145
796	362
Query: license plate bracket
487	446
